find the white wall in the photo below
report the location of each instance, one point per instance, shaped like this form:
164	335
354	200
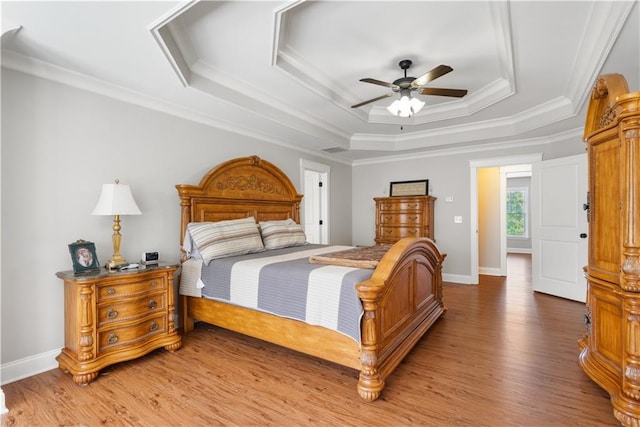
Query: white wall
449	175
59	145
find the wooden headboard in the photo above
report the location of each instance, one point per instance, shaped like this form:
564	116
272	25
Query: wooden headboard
240	188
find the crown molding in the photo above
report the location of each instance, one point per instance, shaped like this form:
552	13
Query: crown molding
259	102
24	64
452	151
605	23
161	31
545	114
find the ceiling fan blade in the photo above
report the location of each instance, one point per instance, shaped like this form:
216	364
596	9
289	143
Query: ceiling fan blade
456	93
371	100
439	71
378	82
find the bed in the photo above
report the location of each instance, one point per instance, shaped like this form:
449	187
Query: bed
400	300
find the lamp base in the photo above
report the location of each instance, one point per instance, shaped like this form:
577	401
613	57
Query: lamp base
115	262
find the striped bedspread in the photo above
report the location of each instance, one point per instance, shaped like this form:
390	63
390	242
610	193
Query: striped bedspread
285	283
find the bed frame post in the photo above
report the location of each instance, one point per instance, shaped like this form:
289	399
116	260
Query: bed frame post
186	320
370	384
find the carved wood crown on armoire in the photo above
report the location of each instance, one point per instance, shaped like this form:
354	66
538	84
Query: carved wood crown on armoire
610	348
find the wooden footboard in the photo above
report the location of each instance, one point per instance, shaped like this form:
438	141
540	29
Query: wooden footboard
401	301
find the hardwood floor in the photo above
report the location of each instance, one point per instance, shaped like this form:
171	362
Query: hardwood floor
501	356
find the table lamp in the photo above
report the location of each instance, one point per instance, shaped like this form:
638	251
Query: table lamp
116	200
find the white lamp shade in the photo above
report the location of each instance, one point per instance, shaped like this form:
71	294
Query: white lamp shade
416	105
405	106
116	199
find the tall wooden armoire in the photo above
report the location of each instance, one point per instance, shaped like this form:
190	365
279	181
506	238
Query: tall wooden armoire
610	348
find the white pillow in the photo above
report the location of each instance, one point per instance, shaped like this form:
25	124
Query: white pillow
225	238
282	234
190	282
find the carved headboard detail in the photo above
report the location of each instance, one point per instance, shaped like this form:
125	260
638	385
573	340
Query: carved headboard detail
240	188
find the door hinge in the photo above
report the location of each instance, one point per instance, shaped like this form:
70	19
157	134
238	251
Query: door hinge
320	222
320	184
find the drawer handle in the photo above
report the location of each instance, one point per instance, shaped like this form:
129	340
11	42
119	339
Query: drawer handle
152	305
153	326
388	218
112	314
153	283
412	231
387	206
413	218
111	291
415	205
388	231
112	338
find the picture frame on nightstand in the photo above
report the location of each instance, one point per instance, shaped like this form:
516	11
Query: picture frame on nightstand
83	256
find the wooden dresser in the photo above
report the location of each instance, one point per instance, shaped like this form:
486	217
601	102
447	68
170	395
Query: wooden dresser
610	348
115	316
399	217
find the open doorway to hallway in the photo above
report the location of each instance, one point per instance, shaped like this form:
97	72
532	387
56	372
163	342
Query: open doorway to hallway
519	268
498	234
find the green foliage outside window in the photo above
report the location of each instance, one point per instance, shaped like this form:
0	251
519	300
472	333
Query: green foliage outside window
517	213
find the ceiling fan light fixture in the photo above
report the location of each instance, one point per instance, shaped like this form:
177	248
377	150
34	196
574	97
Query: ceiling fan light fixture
406	106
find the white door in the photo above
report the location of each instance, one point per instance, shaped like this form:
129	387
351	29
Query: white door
312	205
315	207
559	227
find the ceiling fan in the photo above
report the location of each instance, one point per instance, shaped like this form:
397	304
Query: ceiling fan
405	85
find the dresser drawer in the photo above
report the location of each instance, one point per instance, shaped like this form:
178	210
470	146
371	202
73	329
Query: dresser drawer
130	308
406	218
113	338
409	205
400	232
119	290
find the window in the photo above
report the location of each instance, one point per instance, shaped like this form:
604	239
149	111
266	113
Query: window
517	212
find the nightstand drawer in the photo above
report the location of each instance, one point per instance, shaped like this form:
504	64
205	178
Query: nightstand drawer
112	339
130	308
118	290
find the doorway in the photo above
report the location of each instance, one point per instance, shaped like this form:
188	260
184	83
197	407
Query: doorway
315	204
501	246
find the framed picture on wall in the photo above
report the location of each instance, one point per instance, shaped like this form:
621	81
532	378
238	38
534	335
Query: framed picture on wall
409	188
83	256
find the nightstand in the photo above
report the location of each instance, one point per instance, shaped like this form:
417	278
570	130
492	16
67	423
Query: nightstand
111	317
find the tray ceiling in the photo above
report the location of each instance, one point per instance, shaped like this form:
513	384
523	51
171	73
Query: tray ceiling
288	72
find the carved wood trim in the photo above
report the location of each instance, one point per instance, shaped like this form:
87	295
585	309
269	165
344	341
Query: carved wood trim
602	110
249	179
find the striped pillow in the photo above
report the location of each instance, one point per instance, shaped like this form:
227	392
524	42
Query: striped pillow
226	238
282	234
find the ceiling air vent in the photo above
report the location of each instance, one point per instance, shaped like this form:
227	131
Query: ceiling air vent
333	150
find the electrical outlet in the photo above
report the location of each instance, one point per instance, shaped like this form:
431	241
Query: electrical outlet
457	219
448	199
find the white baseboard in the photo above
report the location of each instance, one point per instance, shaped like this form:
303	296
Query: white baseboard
456	278
3	407
29	366
490	271
519	250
